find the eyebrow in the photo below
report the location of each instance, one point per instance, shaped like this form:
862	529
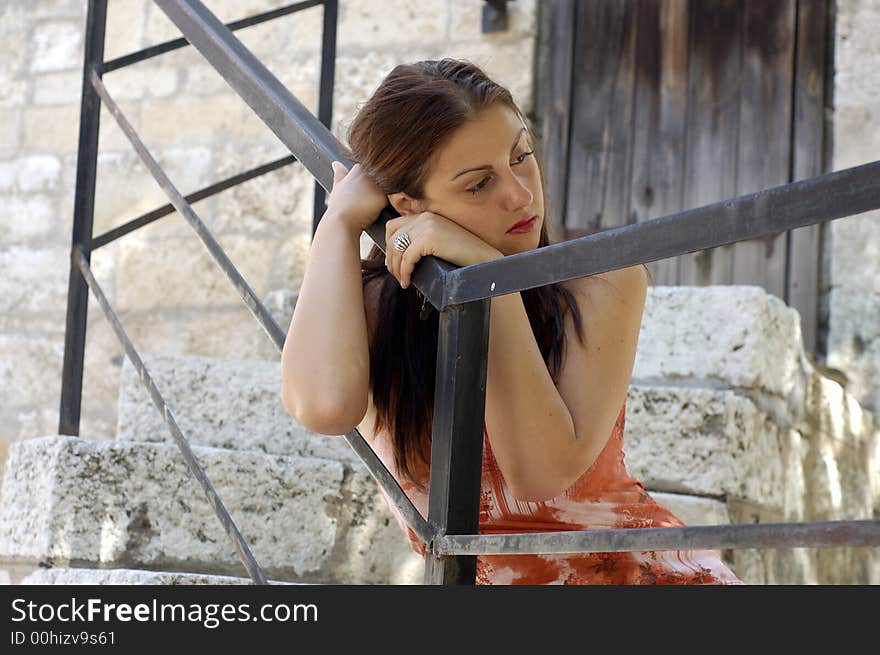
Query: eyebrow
489	166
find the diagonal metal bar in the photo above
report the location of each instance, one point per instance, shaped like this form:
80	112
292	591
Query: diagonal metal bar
244	290
174	44
817	534
155	214
826	197
306	137
247	558
383	476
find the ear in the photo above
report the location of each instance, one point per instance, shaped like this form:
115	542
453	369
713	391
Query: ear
403	204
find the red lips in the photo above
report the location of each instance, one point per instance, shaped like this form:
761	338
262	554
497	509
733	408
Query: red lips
522	223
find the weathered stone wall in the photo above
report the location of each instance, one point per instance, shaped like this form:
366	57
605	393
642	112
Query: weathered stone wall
854	298
170	295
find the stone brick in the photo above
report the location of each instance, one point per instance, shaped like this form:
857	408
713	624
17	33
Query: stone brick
13	93
69	576
142	81
181	272
222	403
27	364
183	120
714	443
304	519
26	218
38	173
52	129
58	88
125	28
745	337
57	46
466	23
693	510
10	131
22	291
400	22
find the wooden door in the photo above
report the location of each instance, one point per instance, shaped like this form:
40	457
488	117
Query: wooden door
649	107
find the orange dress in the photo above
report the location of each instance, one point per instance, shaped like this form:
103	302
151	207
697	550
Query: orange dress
604	497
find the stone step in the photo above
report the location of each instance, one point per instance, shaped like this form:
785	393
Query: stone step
74	576
77	502
221	403
715	442
747	340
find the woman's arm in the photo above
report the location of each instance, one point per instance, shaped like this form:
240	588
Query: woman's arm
325	363
544	438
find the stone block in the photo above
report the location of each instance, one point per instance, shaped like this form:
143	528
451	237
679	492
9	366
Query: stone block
70	576
693	510
13	93
10	131
54	129
57	46
223	403
125	27
26	219
182	273
38	173
307	520
729	336
143	81
28	367
63	88
701	442
465	23
400	22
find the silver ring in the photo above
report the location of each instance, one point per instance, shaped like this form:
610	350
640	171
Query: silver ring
402	242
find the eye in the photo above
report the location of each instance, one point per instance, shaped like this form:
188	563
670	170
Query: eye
482	183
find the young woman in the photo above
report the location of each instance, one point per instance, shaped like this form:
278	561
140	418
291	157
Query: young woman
453	154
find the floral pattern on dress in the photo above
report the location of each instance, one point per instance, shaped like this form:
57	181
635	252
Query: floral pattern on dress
604	497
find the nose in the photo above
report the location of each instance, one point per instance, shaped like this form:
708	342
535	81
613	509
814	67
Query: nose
516	193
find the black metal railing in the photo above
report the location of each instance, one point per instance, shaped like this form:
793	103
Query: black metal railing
462	296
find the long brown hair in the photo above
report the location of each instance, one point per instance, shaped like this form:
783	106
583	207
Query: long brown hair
412	112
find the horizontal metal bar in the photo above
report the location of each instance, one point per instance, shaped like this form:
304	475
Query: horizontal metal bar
253	568
168	46
819	534
201	194
806	202
256	307
382	475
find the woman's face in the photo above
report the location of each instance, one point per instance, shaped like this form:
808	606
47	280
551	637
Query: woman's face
486	179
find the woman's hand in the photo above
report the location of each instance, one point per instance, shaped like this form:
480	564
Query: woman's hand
354	199
436	235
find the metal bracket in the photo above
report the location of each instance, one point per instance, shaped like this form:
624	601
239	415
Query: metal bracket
494	16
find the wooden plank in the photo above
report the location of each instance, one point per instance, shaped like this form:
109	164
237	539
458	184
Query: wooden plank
804	257
714	77
765	131
600	39
619	146
553	104
659	122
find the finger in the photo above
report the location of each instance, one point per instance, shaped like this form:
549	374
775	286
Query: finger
407	263
395	261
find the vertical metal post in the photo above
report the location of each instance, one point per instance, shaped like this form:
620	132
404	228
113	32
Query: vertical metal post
83	215
325	97
457	438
